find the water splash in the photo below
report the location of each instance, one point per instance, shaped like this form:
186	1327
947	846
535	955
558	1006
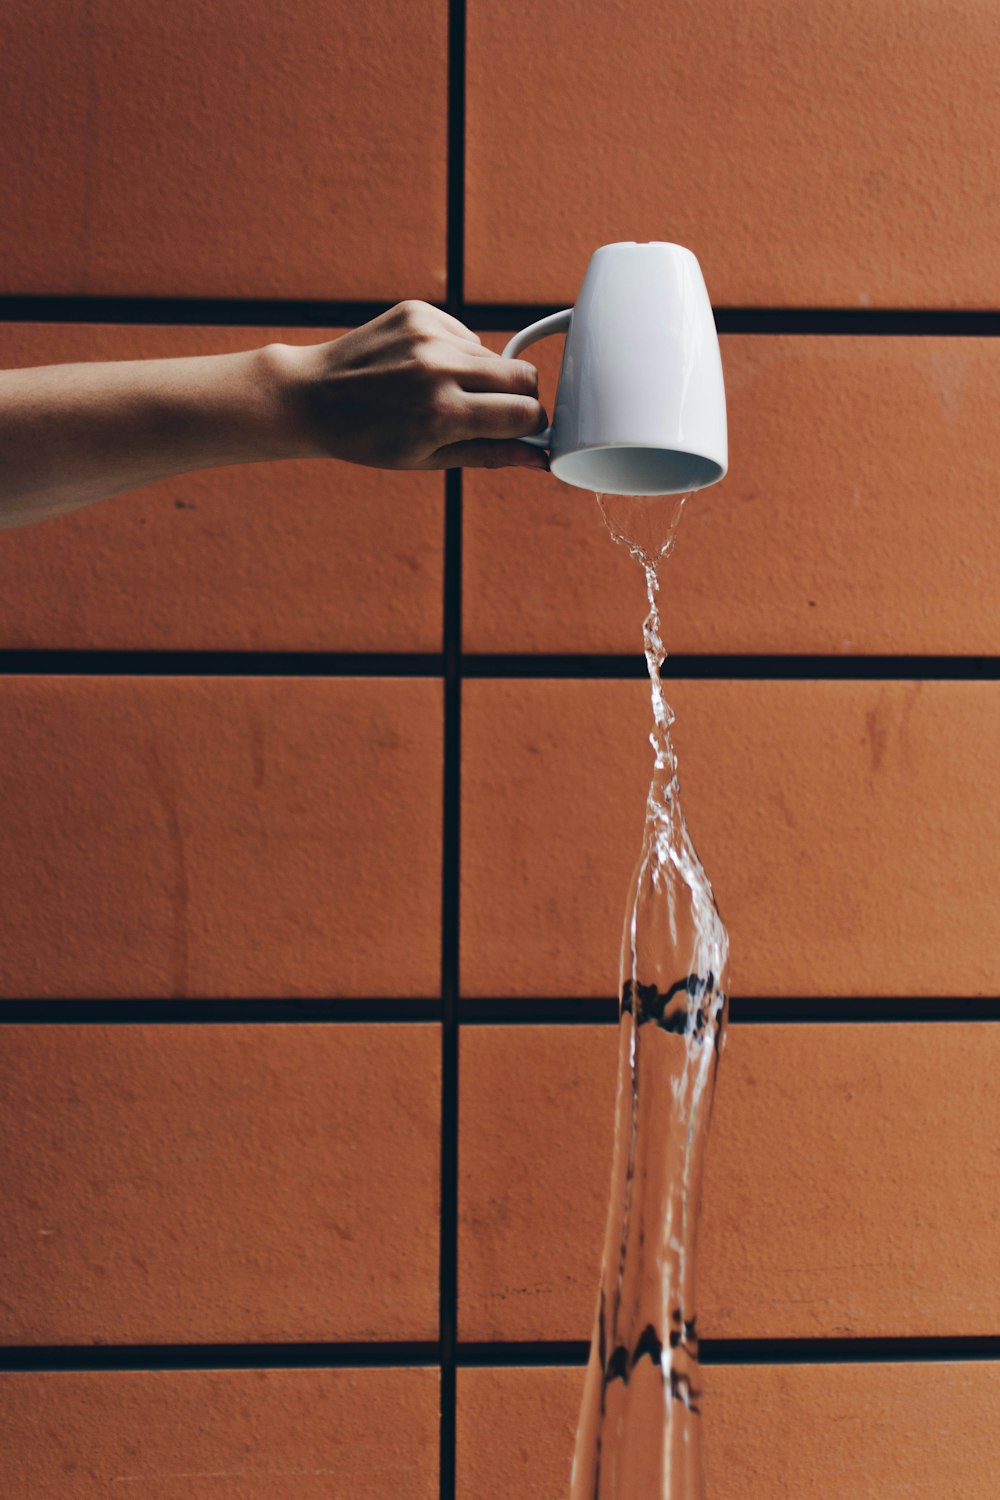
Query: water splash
639	1436
644	524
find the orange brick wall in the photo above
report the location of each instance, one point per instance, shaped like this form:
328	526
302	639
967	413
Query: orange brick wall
320	786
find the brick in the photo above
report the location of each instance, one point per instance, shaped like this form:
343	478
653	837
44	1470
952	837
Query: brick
221	1434
188	151
310	555
907	1432
176	837
858	516
832	1205
219	1184
810	156
850	829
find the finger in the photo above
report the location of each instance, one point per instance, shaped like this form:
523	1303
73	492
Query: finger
491	415
515	377
485	454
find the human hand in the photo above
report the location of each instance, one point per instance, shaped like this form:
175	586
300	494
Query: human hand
412	389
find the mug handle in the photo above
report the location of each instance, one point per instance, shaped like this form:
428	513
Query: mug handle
554	323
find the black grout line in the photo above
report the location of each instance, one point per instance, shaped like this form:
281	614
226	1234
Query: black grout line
325	664
742	667
452	796
219	1356
482	316
855	1010
136	1012
455	246
878	322
762	1351
220	664
517	1011
450	944
744	1011
523	1011
528	1355
838	1351
235	312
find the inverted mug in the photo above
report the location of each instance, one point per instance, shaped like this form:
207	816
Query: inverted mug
641	405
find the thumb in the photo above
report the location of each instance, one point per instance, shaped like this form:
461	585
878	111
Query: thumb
489	453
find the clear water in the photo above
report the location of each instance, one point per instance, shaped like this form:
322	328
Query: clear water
639	1436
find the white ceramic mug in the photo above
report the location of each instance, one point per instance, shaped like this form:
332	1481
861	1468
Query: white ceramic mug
641	406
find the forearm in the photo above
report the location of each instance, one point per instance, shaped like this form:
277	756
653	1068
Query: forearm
74	434
412	389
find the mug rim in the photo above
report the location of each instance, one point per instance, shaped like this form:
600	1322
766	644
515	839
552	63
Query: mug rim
704	470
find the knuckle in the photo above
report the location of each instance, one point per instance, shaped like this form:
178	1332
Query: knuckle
529	375
411	309
430	353
531	415
399	316
418	317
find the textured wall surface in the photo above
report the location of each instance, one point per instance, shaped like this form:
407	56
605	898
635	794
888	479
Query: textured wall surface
320	787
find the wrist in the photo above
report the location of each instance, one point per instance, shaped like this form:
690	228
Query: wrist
281	373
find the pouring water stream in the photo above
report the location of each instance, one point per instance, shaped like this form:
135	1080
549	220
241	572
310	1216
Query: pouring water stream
639	1436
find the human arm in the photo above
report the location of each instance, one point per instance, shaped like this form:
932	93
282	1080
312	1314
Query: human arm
412	389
